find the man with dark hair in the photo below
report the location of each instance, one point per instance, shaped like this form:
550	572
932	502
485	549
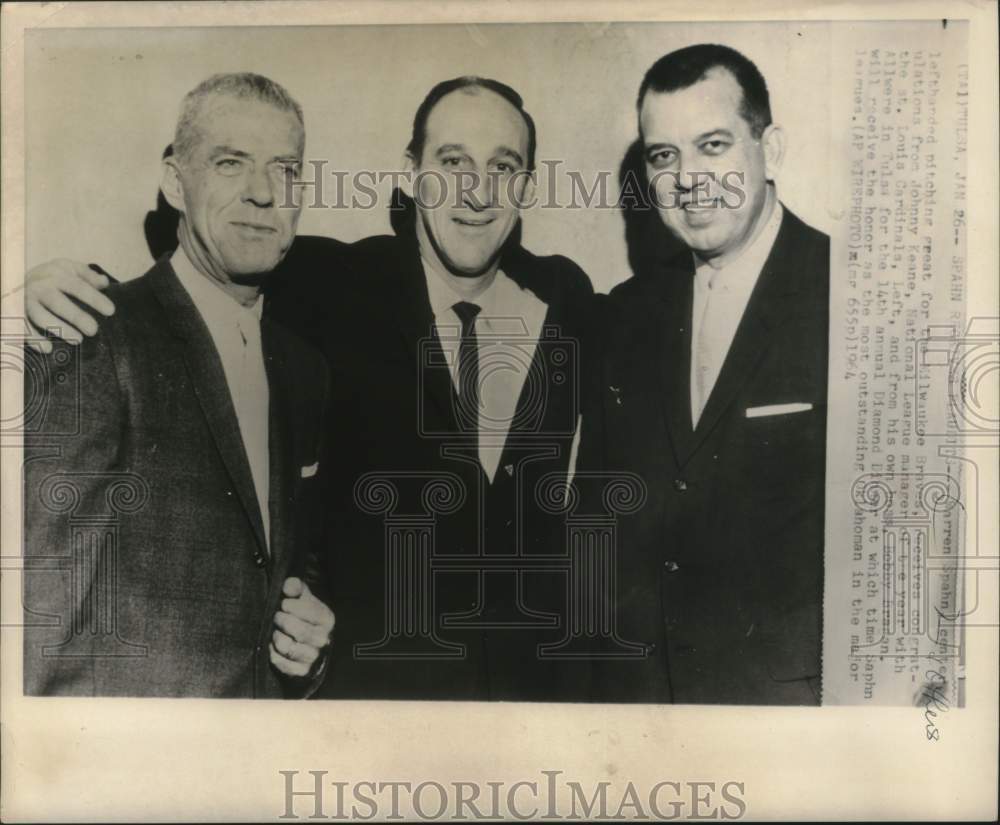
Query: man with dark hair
453	356
712	386
683	68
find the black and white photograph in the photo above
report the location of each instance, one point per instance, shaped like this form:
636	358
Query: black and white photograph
436	412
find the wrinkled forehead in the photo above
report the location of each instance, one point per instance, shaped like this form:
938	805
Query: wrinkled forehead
479	120
257	127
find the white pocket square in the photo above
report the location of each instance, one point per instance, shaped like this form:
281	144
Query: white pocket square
310	471
777	409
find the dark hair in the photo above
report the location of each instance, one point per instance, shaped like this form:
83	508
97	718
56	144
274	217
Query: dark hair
685	67
469	83
160	224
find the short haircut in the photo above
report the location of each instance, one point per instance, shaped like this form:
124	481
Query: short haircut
470	85
685	67
242	85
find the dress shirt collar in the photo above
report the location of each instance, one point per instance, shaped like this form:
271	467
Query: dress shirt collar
443	296
215	306
747	267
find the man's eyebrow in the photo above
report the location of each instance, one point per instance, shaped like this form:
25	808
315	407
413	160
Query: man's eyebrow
228	150
502	151
653	147
449	147
714	132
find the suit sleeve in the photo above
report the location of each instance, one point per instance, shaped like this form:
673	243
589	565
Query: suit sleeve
310	565
312	562
597	317
78	419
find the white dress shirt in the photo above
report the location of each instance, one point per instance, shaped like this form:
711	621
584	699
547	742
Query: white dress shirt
235	330
721	295
507	330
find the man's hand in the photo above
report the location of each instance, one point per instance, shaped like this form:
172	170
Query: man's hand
48	307
303	626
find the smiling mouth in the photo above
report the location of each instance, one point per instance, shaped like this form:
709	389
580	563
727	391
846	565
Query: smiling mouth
254	227
700	206
473	222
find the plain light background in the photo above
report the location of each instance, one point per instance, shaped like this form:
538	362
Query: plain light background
101	104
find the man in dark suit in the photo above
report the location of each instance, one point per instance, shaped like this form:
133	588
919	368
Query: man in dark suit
172	483
483	404
463	412
711	385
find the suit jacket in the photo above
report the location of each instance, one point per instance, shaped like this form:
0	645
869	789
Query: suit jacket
720	573
368	309
148	571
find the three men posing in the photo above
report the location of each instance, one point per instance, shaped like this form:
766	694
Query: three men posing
705	374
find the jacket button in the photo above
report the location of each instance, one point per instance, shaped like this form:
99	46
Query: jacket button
672	566
680	485
258	560
650	648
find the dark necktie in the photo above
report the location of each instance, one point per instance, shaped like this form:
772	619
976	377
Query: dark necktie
468	368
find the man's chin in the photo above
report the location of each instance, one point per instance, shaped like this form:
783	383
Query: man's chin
703	243
253	273
469	269
472	265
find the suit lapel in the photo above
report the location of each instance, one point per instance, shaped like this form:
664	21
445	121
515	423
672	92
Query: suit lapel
675	360
209	381
517	266
752	339
281	447
669	288
405	290
748	347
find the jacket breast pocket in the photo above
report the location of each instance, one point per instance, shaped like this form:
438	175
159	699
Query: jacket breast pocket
787	428
783	451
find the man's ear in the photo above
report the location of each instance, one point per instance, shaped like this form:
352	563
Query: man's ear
772	141
410	170
170	183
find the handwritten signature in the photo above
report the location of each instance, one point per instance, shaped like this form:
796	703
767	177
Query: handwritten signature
934	702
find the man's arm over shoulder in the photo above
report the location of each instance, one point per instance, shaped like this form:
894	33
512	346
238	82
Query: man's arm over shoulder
574	279
307	289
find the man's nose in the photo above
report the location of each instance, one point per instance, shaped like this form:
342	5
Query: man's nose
478	193
685	176
259	189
